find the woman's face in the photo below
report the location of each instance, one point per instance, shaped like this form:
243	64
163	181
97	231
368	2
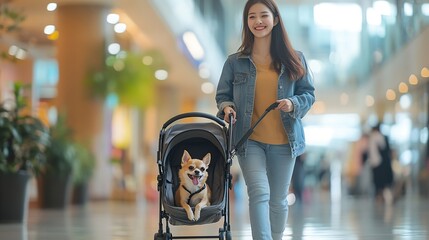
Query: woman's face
260	20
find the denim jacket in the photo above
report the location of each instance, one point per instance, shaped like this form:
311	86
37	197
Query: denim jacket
236	88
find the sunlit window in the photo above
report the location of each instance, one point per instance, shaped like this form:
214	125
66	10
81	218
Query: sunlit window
408	9
46	72
373	18
338	16
321	130
384	8
425	9
45	78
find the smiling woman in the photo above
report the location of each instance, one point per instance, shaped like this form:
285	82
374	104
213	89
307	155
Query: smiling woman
266	69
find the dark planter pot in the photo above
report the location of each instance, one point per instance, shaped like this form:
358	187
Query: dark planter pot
14	197
80	194
54	190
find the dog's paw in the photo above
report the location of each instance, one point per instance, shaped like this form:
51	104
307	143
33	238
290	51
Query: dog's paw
197	215
191	216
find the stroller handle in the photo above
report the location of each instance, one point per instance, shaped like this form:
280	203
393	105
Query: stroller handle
194	114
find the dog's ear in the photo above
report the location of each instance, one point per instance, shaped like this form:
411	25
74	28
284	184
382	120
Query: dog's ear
207	158
186	157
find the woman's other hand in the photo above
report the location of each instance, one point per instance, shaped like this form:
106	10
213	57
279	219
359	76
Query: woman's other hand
285	105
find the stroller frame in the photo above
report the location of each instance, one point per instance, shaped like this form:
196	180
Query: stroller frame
166	234
225	232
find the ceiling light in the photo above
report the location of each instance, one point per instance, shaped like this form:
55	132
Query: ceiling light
13	50
403	87
51	6
405	101
114	48
119	65
390	95
204	71
369	100
147	60
161	74
112	18
120	27
425	72
193	45
413	80
21	54
207	87
49	29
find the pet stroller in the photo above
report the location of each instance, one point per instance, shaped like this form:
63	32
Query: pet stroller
213	136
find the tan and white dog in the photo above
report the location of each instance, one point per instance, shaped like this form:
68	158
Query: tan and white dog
193	190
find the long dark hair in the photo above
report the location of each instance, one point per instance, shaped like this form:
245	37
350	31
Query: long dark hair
281	49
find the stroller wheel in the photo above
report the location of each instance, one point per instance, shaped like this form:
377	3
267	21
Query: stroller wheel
163	236
221	234
228	235
168	236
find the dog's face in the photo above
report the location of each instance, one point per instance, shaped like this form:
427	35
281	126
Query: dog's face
194	171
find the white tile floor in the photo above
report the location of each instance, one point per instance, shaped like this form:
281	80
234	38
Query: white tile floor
318	218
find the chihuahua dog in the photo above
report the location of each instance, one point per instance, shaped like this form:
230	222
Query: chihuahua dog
193	190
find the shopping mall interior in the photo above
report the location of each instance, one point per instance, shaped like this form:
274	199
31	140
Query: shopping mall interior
105	76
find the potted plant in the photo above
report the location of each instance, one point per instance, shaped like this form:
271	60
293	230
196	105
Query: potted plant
85	165
23	139
55	181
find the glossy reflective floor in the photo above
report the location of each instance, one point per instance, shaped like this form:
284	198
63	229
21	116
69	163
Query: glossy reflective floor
317	218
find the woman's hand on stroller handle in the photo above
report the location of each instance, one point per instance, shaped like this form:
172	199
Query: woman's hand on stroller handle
230	114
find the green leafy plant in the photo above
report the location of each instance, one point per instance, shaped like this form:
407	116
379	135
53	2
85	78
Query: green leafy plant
10	20
61	152
127	79
23	138
85	164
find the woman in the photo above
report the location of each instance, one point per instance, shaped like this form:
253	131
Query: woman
266	69
380	160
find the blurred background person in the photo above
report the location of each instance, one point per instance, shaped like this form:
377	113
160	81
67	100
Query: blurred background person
380	159
358	175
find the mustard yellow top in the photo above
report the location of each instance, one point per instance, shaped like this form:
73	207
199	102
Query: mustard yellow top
270	130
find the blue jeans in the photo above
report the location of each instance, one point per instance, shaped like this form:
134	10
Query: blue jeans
267	170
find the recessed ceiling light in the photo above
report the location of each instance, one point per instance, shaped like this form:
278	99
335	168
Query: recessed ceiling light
49	29
51	6
112	18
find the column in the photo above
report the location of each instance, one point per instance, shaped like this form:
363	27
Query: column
80	50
